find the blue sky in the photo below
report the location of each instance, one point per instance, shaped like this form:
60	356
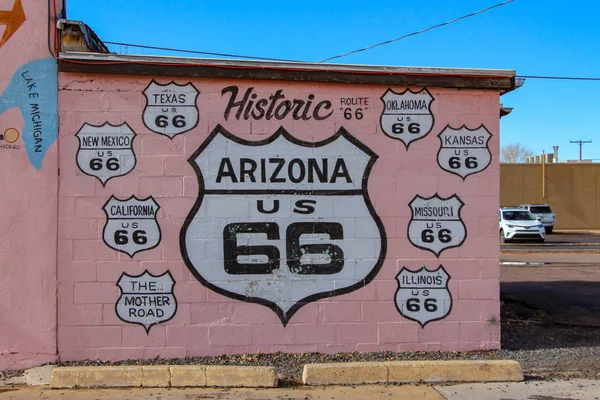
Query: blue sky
550	37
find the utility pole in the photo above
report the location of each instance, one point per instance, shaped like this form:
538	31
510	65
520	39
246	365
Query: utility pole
581	143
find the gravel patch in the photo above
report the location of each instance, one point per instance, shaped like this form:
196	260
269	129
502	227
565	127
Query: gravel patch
544	349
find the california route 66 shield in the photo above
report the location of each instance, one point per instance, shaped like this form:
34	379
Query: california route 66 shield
423	295
407	116
464	151
105	151
170	109
146	299
436	224
282	222
131	224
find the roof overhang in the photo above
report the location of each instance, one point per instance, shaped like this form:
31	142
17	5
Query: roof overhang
98	63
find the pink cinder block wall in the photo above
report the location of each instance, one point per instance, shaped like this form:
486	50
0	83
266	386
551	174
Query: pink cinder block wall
29	182
209	323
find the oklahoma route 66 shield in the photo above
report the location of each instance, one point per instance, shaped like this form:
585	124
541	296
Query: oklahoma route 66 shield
464	151
436	224
282	222
146	299
407	116
131	224
423	295
170	109
105	151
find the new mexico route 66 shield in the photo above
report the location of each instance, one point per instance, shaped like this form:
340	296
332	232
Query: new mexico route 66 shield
170	109
407	116
131	224
436	224
464	151
105	151
282	222
146	299
423	295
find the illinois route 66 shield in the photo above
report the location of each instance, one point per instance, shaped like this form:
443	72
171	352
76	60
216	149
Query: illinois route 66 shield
436	224
170	109
146	299
423	295
131	224
105	151
282	222
407	116
464	151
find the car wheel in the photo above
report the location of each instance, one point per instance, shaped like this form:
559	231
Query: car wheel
502	237
549	229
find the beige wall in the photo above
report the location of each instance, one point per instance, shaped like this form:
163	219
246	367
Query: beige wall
572	190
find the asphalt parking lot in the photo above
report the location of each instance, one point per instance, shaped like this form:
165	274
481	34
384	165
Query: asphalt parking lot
559	241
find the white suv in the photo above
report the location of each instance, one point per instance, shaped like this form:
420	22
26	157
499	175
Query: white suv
518	223
544	213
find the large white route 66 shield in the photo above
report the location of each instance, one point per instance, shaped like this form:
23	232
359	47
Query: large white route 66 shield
105	151
146	299
282	222
131	224
436	224
464	151
170	109
423	295
407	116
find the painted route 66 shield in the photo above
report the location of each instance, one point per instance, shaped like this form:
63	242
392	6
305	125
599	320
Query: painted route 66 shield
464	151
131	224
105	151
436	224
423	295
282	222
146	299
407	116
170	109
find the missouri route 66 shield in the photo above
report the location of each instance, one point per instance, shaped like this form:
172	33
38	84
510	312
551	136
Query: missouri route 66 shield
464	151
282	222
105	151
423	295
131	224
407	116
170	109
436	224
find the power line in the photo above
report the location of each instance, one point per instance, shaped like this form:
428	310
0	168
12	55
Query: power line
564	78
417	32
200	52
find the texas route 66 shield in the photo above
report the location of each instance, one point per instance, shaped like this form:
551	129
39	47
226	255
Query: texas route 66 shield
436	224
282	222
464	151
105	151
423	295
131	224
170	109
407	116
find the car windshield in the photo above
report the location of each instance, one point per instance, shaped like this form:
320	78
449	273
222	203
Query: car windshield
518	216
540	210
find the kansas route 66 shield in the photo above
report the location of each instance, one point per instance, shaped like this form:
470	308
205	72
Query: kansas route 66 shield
407	116
464	151
146	299
105	151
170	109
436	224
423	295
131	224
282	222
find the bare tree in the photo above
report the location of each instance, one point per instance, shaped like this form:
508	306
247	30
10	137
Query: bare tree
514	153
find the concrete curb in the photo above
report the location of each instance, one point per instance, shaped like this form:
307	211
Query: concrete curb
163	376
412	371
